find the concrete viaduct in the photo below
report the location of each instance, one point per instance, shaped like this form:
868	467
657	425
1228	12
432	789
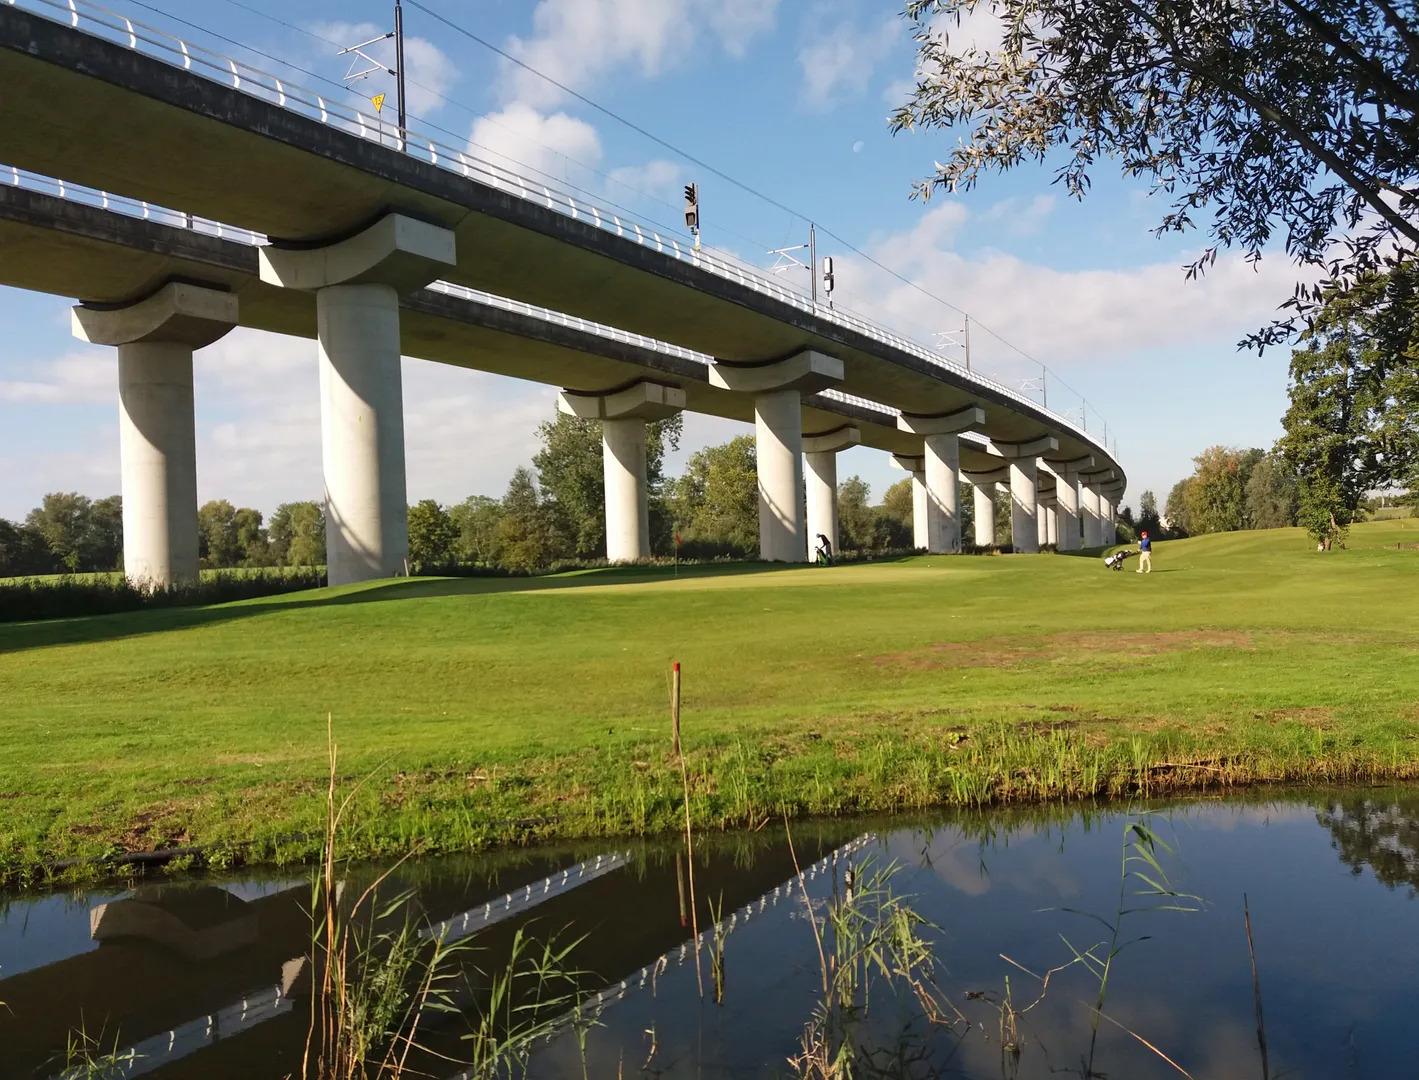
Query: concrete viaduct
378	252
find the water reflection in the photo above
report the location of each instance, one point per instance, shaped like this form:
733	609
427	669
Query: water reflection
1379	834
208	979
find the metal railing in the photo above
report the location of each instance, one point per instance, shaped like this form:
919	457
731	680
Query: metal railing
168	48
137	208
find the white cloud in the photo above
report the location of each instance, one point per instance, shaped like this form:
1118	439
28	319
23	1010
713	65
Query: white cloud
1065	317
74	378
466	431
429	73
520	135
578	41
980	30
660	178
839	64
258	424
1021	217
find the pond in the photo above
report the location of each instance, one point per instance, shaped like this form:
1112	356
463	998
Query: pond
950	923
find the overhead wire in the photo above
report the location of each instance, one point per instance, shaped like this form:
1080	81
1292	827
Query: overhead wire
455	103
735	181
611	114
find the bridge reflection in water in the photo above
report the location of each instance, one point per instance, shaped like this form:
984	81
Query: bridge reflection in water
189	979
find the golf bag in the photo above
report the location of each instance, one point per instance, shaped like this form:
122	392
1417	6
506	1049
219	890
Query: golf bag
1117	559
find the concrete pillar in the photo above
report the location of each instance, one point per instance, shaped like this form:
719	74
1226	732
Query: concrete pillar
1066	491
624	414
627	495
778	388
941	438
1024	476
1041	521
156	337
921	501
943	480
984	500
1114	495
820	451
1108	534
922	511
362	432
1089	508
357	283
1023	461
1051	516
778	447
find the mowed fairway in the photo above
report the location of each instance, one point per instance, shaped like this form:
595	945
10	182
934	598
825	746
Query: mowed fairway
482	711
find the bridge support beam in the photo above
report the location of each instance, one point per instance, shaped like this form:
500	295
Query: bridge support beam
1066	489
1114	494
1093	525
1024	479
624	414
156	337
984	486
1023	460
921	502
820	451
941	439
357	283
983	496
778	388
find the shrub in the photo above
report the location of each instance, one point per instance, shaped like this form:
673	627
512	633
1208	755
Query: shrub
71	596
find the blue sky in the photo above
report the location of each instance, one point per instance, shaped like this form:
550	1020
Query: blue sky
789	98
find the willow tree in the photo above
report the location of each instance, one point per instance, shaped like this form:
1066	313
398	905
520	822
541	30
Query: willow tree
1258	118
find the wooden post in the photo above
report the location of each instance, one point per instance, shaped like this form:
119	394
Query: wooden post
675	707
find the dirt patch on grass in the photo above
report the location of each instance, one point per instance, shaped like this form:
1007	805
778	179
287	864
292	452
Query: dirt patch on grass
1003	652
1317	716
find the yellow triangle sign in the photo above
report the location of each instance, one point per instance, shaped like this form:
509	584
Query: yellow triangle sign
378	102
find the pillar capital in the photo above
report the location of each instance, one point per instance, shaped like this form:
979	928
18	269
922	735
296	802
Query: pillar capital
399	251
912	463
942	423
991	476
1071	468
1024	508
807	372
179	313
832	442
1045	444
643	400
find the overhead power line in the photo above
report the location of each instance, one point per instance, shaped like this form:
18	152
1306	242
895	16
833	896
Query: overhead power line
713	170
611	114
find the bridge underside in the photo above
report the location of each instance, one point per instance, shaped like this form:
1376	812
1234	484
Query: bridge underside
74	250
112	118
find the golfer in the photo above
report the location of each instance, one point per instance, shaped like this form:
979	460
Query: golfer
1145	554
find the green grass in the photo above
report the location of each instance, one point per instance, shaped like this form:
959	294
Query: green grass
492	710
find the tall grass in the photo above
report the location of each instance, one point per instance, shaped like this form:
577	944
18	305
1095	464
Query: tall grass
68	596
869	939
382	981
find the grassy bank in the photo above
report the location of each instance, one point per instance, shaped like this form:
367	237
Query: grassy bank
490	710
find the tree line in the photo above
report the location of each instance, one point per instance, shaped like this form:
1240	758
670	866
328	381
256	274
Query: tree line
1351	428
69	533
552	513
